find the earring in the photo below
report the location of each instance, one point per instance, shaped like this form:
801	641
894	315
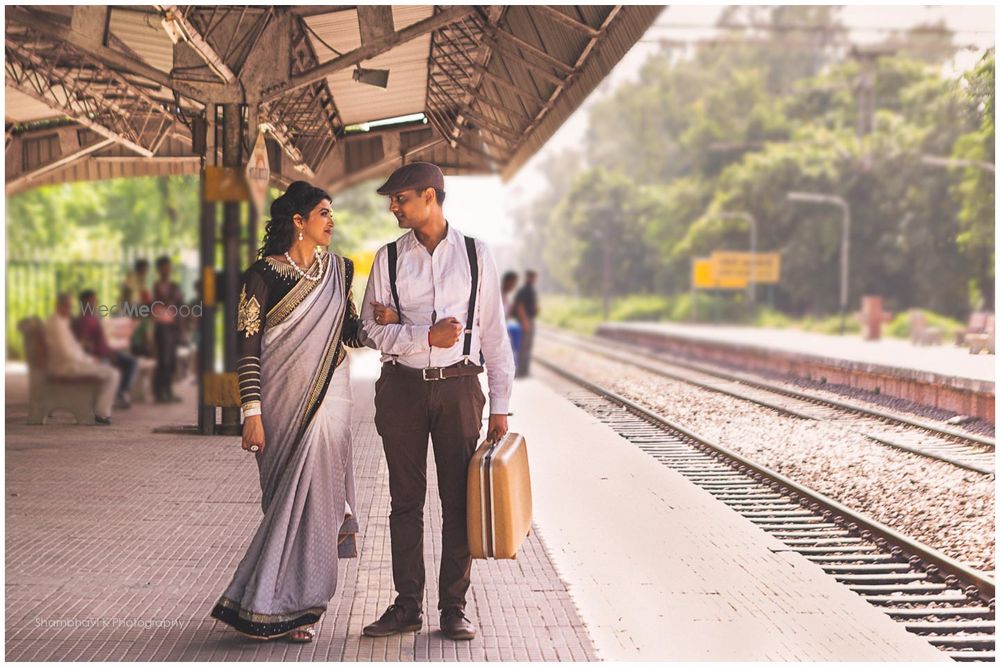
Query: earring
300	235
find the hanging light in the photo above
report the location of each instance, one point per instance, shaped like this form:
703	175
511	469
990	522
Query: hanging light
373	77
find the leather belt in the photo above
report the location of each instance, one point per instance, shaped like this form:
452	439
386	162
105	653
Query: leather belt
434	373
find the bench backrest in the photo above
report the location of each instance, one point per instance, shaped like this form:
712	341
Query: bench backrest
35	350
977	321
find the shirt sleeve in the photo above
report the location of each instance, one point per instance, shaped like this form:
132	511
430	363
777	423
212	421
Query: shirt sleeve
493	337
399	338
250	318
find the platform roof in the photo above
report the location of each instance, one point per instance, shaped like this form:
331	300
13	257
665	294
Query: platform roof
97	92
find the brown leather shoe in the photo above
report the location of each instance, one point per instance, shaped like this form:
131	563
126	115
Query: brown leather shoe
395	620
455	625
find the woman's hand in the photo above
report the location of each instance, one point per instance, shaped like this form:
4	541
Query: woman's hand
253	433
385	314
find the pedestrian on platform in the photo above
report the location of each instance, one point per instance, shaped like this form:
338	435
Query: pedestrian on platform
167	299
446	290
66	357
526	311
90	332
507	284
295	317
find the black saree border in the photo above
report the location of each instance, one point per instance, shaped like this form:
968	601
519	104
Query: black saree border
265	626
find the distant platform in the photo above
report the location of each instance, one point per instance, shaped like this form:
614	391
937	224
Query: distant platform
944	376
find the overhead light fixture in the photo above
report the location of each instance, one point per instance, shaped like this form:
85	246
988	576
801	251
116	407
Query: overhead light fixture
373	77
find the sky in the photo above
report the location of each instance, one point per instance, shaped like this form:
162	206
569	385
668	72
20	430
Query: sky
482	206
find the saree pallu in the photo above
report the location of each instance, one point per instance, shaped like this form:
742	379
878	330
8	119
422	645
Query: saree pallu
289	572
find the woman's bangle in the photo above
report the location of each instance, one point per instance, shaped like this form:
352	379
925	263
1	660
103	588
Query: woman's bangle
252	408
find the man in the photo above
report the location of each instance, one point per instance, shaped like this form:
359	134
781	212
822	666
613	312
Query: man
90	333
526	310
429	387
67	357
167	298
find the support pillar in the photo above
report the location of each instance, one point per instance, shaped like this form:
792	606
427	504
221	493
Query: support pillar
232	135
204	131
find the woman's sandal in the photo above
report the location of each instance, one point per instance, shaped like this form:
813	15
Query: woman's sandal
302	635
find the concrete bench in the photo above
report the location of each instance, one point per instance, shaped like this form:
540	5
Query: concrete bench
48	392
984	341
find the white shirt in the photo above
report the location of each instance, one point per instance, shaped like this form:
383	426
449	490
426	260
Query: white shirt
65	354
431	288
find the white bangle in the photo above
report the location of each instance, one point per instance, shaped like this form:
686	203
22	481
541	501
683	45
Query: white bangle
251	409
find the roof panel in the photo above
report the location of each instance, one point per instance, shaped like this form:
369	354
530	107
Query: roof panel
407	65
144	34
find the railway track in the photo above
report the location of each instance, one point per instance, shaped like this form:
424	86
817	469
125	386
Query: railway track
949	604
964	450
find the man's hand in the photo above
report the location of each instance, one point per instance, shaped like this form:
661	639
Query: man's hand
385	314
446	332
253	433
497	427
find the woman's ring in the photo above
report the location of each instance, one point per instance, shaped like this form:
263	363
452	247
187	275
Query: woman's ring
254	448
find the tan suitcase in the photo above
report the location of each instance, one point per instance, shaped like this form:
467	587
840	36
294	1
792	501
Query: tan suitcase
499	514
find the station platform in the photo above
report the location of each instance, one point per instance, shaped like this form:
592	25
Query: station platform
943	376
119	541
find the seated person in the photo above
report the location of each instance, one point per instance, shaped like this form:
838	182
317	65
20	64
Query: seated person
90	332
67	358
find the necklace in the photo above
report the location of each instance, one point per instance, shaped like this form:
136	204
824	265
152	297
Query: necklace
319	258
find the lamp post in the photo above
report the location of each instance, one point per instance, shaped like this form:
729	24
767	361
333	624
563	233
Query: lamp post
752	222
833	200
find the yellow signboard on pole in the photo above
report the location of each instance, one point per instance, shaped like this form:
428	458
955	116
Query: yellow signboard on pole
732	268
702	274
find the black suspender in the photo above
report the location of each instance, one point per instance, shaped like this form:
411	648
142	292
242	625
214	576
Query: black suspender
391	248
470	248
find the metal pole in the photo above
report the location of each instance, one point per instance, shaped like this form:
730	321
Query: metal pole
231	158
845	247
845	259
205	131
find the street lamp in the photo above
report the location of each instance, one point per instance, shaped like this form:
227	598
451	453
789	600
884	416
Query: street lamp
833	200
749	219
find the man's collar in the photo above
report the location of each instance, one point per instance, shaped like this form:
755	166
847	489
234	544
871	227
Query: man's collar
409	240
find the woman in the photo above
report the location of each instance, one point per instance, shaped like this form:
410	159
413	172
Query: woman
294	318
507	284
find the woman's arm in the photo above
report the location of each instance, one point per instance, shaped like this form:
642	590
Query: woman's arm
250	316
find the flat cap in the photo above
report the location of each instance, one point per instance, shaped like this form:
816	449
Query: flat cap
413	176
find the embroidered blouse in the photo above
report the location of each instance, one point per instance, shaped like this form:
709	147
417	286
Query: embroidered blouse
265	284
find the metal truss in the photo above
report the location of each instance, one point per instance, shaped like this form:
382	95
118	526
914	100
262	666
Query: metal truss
87	91
472	93
305	121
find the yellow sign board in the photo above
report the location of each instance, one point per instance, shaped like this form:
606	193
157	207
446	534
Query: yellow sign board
702	274
225	184
732	270
736	267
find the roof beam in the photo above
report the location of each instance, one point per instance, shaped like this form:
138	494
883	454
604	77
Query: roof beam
375	23
182	30
369	51
555	63
512	54
568	21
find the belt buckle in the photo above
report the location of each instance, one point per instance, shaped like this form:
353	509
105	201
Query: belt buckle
440	375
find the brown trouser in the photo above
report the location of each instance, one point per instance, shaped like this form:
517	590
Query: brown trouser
408	409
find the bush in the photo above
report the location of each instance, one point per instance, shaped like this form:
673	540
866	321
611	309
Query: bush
899	327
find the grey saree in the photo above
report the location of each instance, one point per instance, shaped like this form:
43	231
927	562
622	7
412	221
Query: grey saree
289	572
